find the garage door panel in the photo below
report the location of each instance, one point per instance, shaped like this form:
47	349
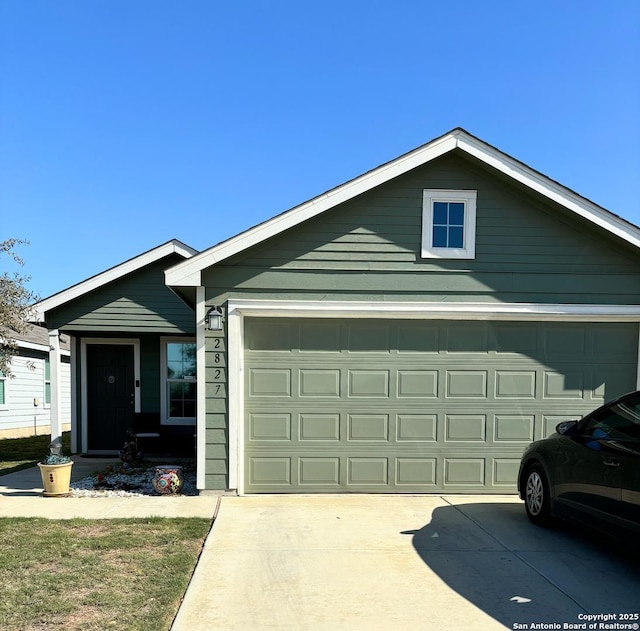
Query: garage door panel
514	428
418	337
368	337
416	427
467	338
613	341
368	383
414	472
322	472
464	472
466	383
505	471
269	382
413	406
368	471
270	472
319	426
568	384
417	383
516	339
265	426
465	428
519	384
320	336
319	382
369	427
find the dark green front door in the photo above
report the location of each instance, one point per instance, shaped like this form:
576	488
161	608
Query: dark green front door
110	395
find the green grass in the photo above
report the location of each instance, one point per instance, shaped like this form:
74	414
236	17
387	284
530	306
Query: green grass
96	574
23	453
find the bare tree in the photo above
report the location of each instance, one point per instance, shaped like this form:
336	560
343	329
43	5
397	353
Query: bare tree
15	305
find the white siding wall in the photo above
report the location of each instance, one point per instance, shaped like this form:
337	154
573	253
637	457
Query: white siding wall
25	412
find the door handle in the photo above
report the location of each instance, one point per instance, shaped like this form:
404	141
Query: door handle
611	463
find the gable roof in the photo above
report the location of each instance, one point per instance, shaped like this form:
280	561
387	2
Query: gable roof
114	273
188	273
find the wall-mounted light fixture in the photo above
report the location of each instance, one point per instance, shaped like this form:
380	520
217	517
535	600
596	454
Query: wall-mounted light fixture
214	319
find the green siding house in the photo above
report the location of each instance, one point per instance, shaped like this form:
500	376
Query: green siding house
132	341
410	331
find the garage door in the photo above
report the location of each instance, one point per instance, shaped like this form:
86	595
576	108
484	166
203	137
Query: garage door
357	405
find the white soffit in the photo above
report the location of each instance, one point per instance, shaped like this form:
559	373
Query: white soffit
171	247
188	273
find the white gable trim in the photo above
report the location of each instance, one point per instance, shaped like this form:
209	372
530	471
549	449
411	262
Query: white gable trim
188	273
95	282
554	191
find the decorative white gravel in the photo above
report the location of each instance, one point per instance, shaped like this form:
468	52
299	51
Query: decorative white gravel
139	480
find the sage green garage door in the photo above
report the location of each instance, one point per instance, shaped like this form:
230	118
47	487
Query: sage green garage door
417	406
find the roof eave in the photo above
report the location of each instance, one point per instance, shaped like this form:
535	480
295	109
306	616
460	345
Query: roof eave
188	273
114	273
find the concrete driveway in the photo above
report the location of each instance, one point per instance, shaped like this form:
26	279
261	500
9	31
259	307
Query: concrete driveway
400	563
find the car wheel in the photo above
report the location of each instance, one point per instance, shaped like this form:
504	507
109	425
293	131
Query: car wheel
537	502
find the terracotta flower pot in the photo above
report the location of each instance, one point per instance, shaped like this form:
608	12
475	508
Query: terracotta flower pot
56	479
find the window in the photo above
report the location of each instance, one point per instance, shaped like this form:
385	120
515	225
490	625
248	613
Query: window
3	391
179	381
618	422
47	382
448	224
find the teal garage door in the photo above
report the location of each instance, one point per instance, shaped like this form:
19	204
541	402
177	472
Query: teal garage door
358	405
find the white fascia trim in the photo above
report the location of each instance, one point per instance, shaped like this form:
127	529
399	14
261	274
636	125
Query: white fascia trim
433	310
187	273
95	282
554	191
183	274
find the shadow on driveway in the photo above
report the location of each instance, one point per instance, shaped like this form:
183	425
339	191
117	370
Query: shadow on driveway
518	573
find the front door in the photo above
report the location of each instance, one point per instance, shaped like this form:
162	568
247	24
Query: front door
110	395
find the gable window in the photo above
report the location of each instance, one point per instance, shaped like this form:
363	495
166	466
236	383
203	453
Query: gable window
448	224
179	381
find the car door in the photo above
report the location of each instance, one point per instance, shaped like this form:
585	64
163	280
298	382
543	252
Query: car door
598	473
628	446
586	478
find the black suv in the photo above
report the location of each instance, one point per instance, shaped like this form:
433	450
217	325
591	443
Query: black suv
588	471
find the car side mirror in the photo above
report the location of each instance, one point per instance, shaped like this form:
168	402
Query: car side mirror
566	428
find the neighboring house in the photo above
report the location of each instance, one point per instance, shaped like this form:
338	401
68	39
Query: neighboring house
411	330
25	396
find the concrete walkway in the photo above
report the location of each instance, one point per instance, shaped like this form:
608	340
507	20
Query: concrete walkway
21	496
351	562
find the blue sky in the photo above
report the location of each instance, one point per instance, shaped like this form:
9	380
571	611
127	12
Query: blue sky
125	123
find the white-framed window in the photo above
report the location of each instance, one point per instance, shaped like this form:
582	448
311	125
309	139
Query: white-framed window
178	381
3	390
47	382
448	224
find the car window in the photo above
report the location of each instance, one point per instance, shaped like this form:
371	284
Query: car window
618	422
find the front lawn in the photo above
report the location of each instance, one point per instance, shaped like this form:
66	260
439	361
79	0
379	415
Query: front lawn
24	453
96	574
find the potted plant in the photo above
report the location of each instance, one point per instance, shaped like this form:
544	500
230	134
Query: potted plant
55	470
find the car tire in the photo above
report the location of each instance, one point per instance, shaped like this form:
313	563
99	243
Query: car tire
537	500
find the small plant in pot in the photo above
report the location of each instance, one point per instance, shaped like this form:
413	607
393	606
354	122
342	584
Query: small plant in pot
55	470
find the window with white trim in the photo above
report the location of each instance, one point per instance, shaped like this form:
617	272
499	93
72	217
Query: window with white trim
3	389
448	224
47	381
179	381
